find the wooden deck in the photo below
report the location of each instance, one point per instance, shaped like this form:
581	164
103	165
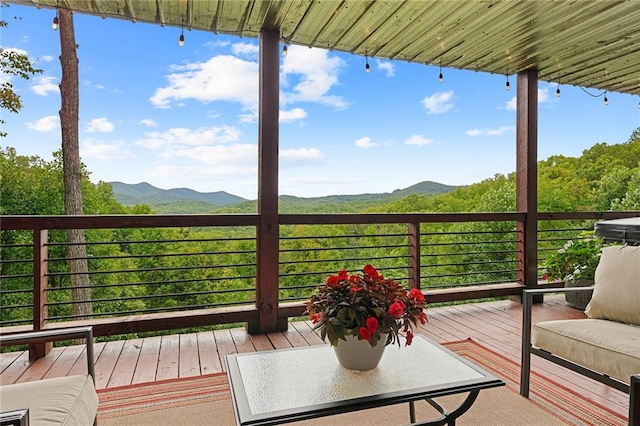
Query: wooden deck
496	325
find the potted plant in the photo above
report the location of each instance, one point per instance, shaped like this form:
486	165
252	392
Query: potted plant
365	309
575	263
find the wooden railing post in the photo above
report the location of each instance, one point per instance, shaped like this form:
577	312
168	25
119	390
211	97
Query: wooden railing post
414	254
268	254
40	253
527	176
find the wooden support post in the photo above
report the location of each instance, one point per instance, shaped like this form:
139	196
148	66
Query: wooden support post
414	255
268	256
527	176
40	283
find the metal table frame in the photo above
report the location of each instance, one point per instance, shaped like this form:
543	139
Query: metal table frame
242	391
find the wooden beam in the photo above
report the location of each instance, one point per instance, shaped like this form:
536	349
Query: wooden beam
268	231
527	176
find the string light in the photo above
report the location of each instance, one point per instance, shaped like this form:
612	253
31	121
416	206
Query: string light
54	25
440	77
367	68
181	39
606	101
558	91
507	85
285	50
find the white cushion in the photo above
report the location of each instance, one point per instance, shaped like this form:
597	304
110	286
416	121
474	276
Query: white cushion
616	294
58	401
608	347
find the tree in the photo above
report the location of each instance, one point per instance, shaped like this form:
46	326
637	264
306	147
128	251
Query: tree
12	63
72	168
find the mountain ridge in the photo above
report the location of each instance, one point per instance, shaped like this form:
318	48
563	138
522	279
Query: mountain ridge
145	193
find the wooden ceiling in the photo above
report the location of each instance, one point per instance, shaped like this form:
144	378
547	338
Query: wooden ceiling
588	43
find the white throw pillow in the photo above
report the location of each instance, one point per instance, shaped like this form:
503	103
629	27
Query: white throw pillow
616	294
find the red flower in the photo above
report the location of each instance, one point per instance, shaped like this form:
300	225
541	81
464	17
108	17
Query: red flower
416	294
332	280
370	271
372	324
316	317
409	337
355	288
343	275
364	333
395	310
423	317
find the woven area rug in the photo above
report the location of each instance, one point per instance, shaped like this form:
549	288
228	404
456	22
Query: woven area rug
206	400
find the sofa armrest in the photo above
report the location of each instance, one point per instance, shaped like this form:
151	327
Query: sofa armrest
54	335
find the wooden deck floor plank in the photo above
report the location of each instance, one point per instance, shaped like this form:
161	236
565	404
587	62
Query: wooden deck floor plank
242	341
106	362
8	358
39	368
305	329
168	358
125	367
294	337
17	368
189	362
65	362
225	345
208	352
279	341
147	366
261	342
80	366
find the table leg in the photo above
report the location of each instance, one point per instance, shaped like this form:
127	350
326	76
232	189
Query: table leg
446	418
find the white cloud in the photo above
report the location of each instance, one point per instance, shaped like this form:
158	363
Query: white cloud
149	122
93	148
419	140
365	143
88	83
44	85
177	138
299	156
491	132
438	103
543	97
245	49
288	116
235	156
387	67
221	78
100	125
46	58
45	124
316	72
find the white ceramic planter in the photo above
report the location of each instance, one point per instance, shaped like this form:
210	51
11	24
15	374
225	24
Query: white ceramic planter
357	354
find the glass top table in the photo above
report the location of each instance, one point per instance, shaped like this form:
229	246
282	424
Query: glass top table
286	385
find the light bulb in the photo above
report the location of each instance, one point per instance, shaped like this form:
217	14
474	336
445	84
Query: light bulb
558	92
181	40
440	78
55	23
508	86
367	68
606	101
285	50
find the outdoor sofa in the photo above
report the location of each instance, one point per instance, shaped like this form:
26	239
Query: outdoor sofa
70	400
606	345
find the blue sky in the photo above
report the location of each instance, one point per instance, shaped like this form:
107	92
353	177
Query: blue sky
151	111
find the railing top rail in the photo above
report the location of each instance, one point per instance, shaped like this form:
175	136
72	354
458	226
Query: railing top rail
376	218
125	221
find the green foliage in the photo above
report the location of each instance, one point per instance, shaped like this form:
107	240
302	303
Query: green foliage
576	259
12	63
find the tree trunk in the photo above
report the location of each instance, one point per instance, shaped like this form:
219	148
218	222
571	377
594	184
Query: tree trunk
69	87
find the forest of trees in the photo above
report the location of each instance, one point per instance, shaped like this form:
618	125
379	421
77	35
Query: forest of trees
151	270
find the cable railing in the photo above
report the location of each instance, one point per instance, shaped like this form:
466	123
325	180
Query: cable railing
149	273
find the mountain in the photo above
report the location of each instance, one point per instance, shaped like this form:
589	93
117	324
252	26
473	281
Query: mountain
185	201
144	193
